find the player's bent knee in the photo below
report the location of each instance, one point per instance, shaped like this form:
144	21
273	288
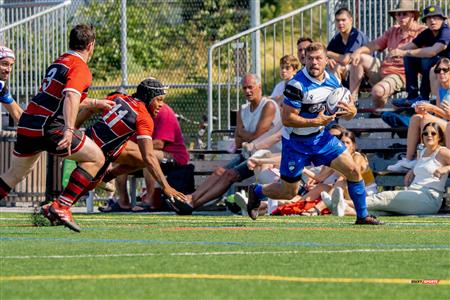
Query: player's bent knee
378	92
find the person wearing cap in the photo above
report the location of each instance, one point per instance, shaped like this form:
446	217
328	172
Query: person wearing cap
388	76
7	60
131	117
343	44
48	124
422	53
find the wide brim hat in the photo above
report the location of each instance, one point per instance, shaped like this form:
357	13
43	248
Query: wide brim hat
432	10
405	6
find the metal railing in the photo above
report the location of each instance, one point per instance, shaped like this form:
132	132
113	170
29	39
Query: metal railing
38	33
230	59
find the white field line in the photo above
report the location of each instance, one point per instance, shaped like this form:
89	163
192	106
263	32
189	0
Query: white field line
19	257
233	221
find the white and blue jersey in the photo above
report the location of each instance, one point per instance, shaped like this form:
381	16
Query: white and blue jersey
309	95
303	146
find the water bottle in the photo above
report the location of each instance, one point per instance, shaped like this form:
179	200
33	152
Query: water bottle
419	149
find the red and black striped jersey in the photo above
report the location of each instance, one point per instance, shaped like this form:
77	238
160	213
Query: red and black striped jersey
67	73
127	118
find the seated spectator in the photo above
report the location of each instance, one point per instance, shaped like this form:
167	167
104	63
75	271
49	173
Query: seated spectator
422	53
289	65
388	76
426	113
302	44
343	44
169	148
258	116
425	183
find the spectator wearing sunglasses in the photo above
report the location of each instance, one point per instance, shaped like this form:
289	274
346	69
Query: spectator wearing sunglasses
425	183
422	54
425	113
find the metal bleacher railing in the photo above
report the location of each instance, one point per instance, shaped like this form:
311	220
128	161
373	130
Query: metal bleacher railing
231	58
36	31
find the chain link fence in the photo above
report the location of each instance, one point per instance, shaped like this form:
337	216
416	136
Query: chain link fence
167	40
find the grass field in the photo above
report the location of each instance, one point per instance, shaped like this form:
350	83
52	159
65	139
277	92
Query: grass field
129	256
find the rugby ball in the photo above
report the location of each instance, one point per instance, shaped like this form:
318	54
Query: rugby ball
341	94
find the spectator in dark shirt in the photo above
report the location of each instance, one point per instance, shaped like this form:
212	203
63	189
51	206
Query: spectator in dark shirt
422	53
344	43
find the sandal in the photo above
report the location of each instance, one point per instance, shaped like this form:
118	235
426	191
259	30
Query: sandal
312	212
179	206
113	207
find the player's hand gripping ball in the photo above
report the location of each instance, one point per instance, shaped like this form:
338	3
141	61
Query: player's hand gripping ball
341	94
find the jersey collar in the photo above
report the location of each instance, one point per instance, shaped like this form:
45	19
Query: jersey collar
305	72
71	52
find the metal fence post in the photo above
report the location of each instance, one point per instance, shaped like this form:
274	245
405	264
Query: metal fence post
255	21
123	43
331	29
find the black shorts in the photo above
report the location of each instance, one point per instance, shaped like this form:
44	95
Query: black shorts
28	145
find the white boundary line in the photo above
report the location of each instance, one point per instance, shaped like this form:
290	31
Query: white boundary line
218	253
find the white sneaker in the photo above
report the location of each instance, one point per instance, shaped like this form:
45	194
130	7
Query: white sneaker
403	165
338	203
241	199
326	198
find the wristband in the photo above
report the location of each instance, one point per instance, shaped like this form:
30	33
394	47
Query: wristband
71	129
6	98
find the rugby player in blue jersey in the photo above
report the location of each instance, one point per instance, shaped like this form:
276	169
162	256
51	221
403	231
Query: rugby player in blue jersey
306	139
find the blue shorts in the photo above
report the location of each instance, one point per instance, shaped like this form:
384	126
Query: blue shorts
298	152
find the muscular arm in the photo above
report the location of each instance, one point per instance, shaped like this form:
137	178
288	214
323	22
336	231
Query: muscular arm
70	109
343	59
290	117
90	106
427	51
158	144
151	162
14	110
269	138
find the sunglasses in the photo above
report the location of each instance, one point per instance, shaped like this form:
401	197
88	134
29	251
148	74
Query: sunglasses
438	70
400	14
427	133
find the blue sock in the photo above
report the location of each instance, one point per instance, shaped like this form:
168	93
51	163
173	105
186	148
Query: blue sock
259	192
357	192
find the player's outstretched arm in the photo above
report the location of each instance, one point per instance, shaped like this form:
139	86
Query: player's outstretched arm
152	164
14	110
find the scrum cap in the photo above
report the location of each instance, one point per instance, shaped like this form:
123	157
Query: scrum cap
148	89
